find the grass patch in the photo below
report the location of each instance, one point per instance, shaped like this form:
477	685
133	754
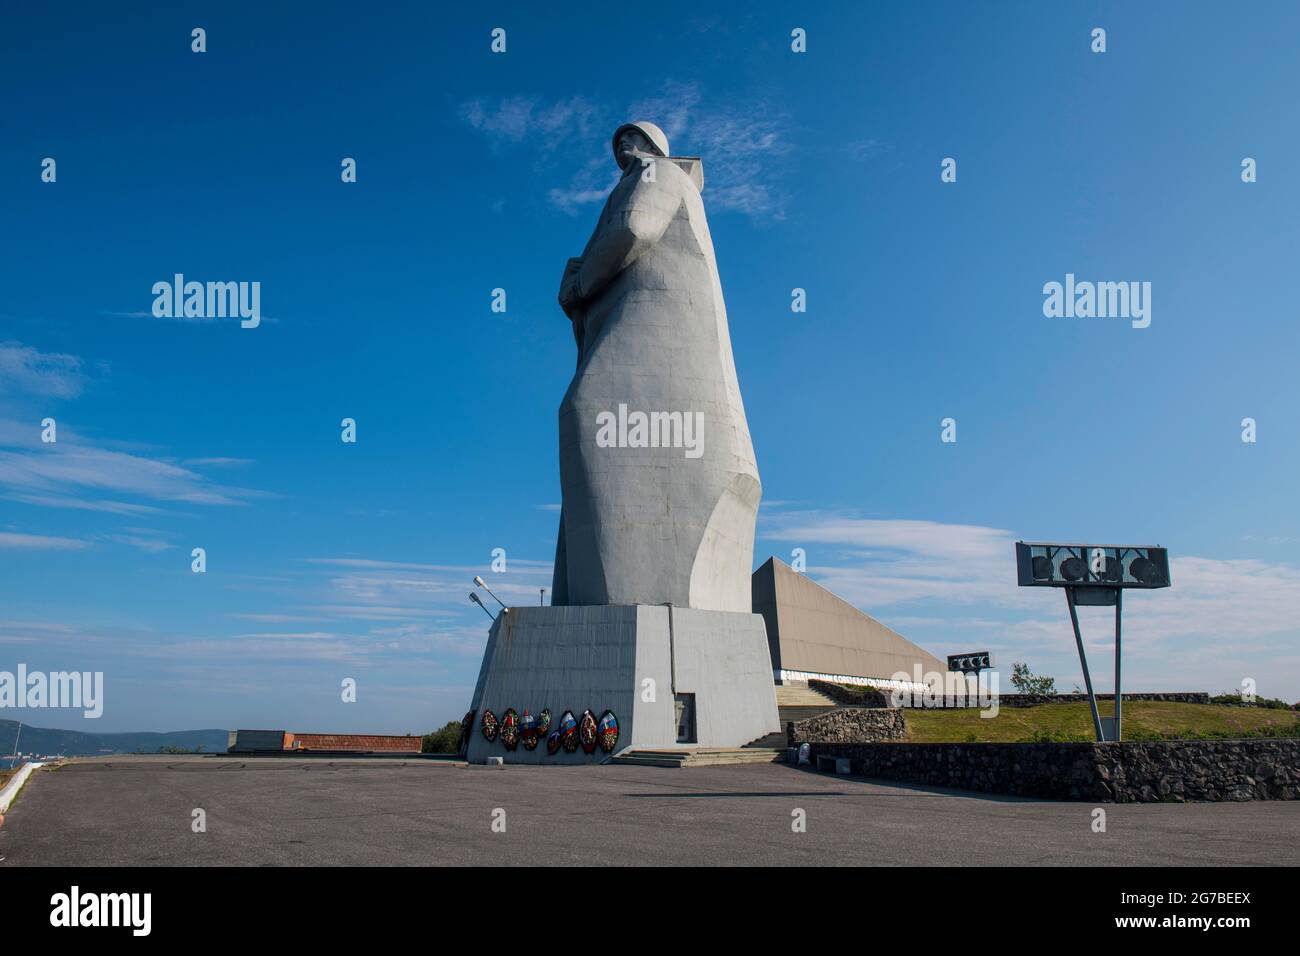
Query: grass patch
1061	723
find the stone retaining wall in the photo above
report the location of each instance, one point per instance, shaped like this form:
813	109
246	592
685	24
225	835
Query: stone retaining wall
846	725
1139	771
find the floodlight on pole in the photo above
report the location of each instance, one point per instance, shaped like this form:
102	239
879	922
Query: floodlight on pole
1094	576
479	601
483	584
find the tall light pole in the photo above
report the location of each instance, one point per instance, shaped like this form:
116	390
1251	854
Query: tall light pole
1094	576
479	601
483	584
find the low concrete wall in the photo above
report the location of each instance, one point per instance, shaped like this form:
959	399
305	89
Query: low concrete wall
848	725
10	789
1142	771
253	741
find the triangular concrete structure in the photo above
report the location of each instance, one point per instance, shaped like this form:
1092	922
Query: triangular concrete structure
812	632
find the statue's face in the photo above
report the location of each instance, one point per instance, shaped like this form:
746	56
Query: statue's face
633	143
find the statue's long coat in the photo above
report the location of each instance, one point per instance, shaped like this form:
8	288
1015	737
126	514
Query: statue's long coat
649	525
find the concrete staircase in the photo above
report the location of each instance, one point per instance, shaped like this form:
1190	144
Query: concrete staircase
799	702
794	702
700	757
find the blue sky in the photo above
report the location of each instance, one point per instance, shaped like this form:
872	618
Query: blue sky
478	171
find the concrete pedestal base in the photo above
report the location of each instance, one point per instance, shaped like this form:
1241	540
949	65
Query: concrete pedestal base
633	660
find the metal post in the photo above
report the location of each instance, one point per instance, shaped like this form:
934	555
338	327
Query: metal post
1119	604
672	652
1083	660
479	601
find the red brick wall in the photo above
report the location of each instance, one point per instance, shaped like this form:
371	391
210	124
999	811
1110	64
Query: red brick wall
358	742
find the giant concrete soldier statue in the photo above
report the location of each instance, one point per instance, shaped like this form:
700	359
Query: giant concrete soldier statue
658	475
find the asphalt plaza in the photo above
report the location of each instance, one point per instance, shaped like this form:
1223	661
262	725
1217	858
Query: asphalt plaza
138	810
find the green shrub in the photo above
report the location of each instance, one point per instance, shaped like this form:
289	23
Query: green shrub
1026	682
444	740
1237	699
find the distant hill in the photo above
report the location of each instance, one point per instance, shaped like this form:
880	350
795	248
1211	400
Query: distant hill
75	743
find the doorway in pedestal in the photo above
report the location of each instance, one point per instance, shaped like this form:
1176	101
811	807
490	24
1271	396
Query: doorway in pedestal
684	705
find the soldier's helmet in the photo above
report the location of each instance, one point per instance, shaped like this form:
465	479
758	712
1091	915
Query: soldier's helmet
651	132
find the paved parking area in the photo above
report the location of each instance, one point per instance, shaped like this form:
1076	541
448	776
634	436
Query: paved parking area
288	811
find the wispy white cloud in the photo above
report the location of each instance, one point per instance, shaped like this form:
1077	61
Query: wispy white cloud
861	149
371	589
67	470
409	640
78	472
589	185
299	646
188	319
217	462
104	505
285	635
39	542
886	562
743	144
142	539
381	612
1231	600
522	119
45	633
1221	620
675	109
274	618
45	374
465	642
